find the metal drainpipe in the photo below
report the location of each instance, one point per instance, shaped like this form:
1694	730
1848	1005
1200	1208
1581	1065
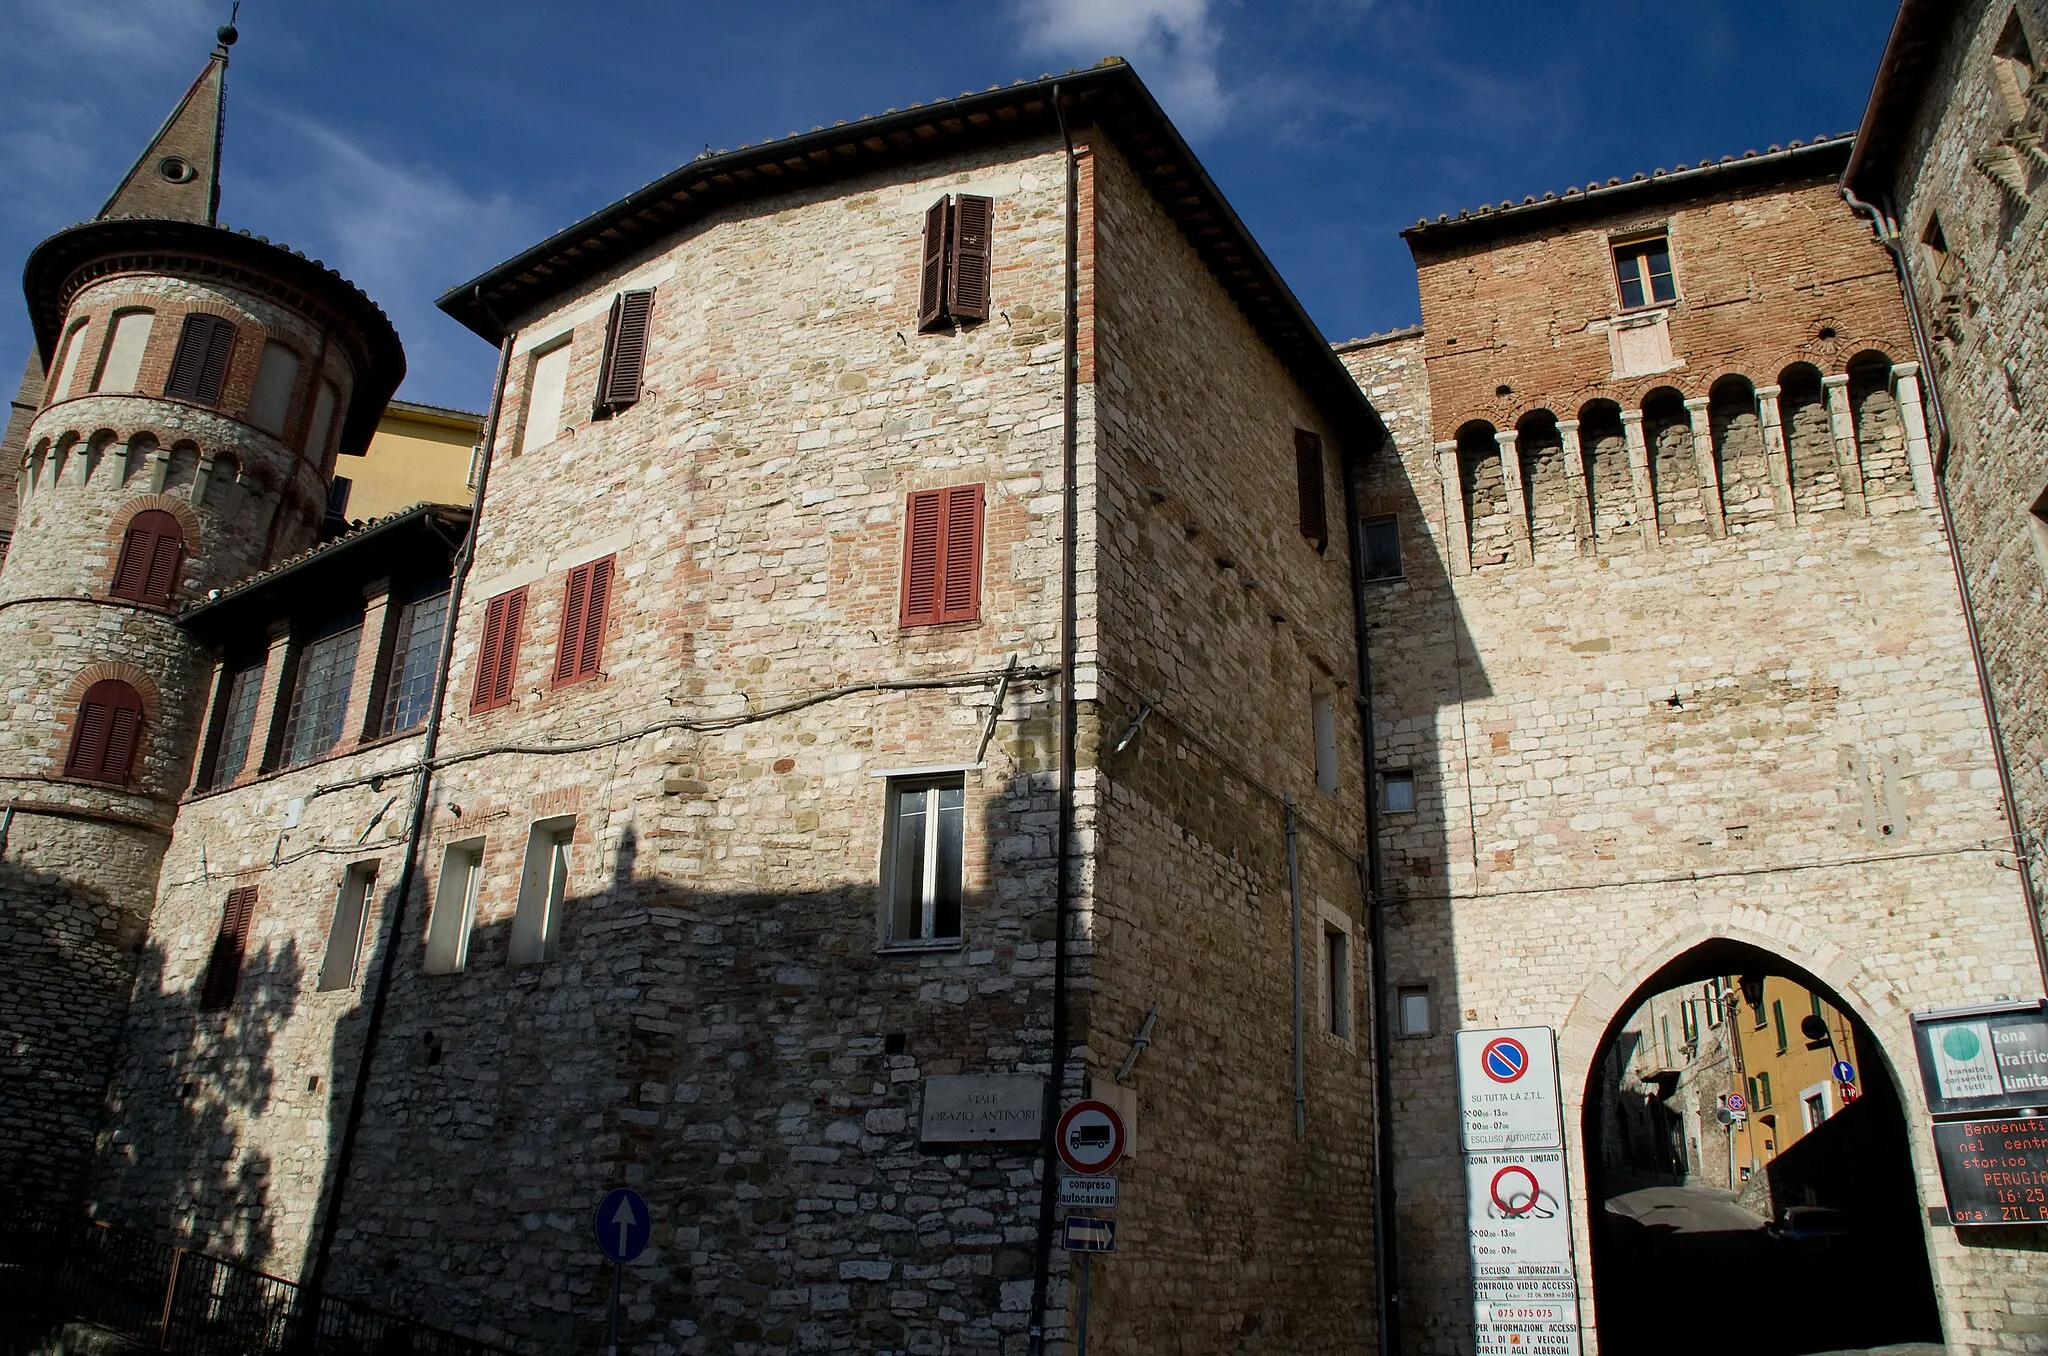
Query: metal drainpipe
344	1154
1070	513
1387	1261
1884	225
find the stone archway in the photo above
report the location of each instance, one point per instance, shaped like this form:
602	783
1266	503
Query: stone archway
1671	1265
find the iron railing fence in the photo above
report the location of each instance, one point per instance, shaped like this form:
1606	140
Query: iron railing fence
186	1303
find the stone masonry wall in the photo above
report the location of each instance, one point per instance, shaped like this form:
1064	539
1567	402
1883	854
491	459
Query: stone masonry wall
1235	1233
1990	364
722	1027
1620	758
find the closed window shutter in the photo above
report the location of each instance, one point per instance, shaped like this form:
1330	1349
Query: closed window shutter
1308	472
106	733
151	549
625	352
215	369
583	613
921	533
967	284
931	287
224	966
499	655
960	574
200	364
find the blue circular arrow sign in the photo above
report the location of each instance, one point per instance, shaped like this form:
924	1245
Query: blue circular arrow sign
623	1224
1844	1071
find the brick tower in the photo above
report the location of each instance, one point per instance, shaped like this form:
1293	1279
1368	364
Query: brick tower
201	383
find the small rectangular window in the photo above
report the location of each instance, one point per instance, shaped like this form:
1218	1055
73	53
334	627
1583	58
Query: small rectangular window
1411	1003
923	858
497	660
1337	980
585	600
942	556
1310	492
241	687
345	934
224	965
543	886
1778	1020
338	491
121	369
454	909
954	276
67	370
320	687
1382	547
1816	1110
1323	714
1753	1095
1643	270
547	386
1763	1085
415	654
1398	792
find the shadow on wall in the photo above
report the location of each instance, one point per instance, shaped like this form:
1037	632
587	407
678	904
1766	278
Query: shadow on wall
1425	669
749	1061
184	1167
70	955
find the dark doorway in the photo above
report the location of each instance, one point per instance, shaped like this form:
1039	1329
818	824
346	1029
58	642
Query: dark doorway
1741	1193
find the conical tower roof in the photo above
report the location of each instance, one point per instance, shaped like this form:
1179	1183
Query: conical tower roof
177	177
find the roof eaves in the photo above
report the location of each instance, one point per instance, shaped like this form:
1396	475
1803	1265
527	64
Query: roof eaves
451	516
1919	34
1776	162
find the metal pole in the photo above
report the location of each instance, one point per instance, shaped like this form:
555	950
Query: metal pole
611	1322
1081	1330
1294	895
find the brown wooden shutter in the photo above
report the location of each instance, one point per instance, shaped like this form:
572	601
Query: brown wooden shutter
967	272
106	733
584	604
224	966
960	556
146	571
1308	474
497	661
214	370
200	364
625	352
931	287
923	525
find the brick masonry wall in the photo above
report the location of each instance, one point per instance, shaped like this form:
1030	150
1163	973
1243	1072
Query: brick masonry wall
1575	831
1989	365
1234	1234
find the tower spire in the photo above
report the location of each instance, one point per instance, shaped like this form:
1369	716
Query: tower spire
177	177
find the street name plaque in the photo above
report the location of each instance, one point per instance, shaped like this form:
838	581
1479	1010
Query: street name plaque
982	1109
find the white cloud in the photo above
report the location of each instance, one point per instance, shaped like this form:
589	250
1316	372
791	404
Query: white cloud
1172	43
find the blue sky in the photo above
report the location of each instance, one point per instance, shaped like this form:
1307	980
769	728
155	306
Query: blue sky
411	145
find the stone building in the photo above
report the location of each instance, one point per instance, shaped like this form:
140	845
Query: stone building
1672	676
202	383
1951	168
845	706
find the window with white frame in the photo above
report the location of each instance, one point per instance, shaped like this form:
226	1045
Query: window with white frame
1324	714
543	885
922	858
1411	1009
1337	981
345	933
462	870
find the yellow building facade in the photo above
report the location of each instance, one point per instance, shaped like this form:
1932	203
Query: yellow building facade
1786	1074
420	454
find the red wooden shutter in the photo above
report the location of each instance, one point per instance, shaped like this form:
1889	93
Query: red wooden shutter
922	528
584	604
224	966
625	352
931	287
147	569
960	572
498	659
967	280
1308	474
106	733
